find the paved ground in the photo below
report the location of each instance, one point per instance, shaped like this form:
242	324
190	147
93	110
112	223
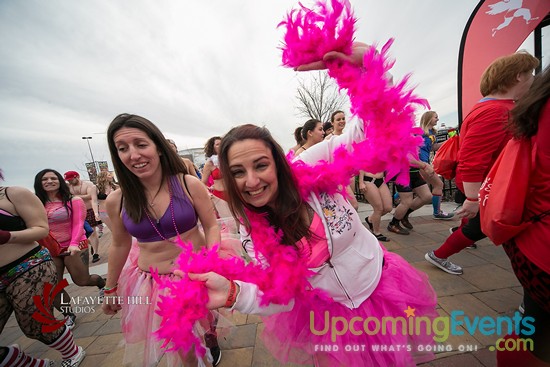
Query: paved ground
487	288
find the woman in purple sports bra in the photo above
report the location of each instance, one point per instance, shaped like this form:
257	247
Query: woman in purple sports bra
157	202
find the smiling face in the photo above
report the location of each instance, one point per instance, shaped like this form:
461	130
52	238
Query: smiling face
253	168
50	182
339	123
137	152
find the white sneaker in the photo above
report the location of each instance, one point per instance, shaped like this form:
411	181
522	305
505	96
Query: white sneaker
443	264
76	360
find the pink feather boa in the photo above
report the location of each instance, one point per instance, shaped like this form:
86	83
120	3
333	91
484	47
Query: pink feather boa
388	116
285	278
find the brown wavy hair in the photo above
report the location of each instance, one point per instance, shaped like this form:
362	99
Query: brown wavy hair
209	146
290	205
131	186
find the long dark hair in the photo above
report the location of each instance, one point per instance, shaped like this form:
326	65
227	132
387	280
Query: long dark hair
290	205
524	122
309	125
131	186
64	193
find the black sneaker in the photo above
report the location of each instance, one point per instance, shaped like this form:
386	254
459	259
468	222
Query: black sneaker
396	228
95	258
380	237
216	355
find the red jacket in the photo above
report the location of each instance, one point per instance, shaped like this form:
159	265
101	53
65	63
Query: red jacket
533	242
482	138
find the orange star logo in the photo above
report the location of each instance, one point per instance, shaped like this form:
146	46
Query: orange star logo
409	311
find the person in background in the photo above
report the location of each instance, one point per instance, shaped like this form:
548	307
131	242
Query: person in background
87	191
428	121
191	168
338	122
411	197
529	252
211	171
298	138
482	139
312	133
328	128
158	203
25	268
105	185
375	189
66	215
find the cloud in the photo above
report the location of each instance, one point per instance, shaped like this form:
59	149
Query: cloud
196	69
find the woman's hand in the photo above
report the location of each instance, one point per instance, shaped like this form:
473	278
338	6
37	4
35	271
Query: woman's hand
358	50
362	186
469	209
217	285
73	249
428	170
110	304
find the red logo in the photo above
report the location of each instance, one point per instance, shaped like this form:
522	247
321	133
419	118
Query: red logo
44	303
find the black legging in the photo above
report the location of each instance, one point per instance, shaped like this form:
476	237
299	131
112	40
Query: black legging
536	298
472	229
18	298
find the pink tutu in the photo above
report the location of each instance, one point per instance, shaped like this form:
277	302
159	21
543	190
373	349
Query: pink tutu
139	321
290	337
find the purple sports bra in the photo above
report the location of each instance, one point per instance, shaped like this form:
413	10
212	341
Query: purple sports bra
185	217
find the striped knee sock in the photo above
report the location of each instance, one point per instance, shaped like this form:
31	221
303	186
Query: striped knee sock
65	344
15	357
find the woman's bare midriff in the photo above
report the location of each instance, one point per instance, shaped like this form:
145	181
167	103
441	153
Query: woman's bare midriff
218	185
161	255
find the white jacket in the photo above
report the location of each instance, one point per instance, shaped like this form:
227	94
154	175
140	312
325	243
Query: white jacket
355	266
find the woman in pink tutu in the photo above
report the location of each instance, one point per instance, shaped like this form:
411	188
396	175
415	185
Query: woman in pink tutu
158	202
351	276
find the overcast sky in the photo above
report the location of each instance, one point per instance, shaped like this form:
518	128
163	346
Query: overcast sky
193	68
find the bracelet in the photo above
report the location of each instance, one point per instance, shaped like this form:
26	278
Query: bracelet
232	296
108	290
471	199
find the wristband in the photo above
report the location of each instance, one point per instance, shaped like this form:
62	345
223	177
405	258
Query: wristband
4	236
471	199
232	296
108	290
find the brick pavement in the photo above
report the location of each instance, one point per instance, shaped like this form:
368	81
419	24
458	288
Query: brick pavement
487	288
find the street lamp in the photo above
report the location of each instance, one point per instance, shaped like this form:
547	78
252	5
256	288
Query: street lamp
87	138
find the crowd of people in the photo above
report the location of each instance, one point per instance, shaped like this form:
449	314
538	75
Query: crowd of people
158	199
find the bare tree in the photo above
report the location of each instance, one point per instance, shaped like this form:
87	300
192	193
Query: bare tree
318	96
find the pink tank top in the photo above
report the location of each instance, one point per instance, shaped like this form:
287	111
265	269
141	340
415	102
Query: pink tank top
316	249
